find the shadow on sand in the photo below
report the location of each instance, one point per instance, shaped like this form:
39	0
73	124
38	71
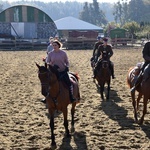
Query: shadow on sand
119	113
79	139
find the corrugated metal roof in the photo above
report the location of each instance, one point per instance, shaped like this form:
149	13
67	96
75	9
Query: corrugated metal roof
71	23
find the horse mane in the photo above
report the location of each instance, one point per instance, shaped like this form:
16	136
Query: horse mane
54	70
42	69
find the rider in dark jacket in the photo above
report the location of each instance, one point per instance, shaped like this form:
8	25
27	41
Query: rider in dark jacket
105	50
146	56
95	49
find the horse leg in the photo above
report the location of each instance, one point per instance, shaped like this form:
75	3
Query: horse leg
138	100
145	99
72	117
108	90
101	91
65	114
53	143
134	105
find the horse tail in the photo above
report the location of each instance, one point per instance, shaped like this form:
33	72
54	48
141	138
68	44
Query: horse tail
132	75
129	76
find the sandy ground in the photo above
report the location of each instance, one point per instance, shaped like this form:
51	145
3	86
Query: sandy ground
99	124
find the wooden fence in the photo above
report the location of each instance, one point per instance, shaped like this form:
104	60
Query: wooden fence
23	44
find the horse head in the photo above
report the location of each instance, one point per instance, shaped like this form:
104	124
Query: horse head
43	75
103	76
48	75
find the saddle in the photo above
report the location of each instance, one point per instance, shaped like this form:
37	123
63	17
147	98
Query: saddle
74	84
72	80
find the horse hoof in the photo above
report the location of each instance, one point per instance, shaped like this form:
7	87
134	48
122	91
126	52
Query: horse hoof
72	129
140	122
53	147
68	135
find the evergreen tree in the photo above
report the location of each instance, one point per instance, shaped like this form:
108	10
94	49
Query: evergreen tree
96	13
118	11
125	15
136	10
93	14
84	14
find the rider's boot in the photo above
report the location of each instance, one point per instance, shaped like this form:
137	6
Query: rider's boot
72	99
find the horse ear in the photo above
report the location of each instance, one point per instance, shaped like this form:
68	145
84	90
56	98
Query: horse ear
37	65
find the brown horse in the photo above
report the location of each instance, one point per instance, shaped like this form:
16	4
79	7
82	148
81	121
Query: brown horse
142	89
57	96
131	77
103	77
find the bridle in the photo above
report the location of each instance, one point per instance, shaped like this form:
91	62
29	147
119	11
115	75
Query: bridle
54	98
42	73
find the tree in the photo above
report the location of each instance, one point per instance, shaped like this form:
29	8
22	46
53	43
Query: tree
121	12
110	26
136	10
93	14
84	14
118	12
132	27
96	13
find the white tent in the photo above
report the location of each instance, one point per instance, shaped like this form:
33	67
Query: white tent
71	23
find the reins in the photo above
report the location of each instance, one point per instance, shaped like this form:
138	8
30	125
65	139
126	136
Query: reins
54	99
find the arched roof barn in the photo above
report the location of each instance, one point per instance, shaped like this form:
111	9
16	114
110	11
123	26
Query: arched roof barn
27	22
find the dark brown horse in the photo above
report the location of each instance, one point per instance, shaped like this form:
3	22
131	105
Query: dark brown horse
103	77
57	96
142	89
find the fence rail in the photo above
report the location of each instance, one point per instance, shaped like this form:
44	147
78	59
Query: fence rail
23	44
